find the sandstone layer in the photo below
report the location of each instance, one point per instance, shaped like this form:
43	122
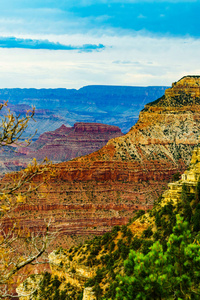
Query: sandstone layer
90	194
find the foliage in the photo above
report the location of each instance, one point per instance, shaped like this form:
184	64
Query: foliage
50	287
18	247
170	274
153	243
176	176
13	127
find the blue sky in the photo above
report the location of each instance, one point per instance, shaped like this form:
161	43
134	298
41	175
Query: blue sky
50	43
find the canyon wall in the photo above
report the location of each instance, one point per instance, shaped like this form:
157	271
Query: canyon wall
102	259
116	105
66	143
92	193
62	144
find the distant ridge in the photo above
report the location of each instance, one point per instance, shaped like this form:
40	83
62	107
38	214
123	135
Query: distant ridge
113	105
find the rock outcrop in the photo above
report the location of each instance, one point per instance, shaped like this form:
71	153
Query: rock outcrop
62	144
189	178
90	194
66	143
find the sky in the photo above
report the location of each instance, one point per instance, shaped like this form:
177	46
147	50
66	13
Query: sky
71	44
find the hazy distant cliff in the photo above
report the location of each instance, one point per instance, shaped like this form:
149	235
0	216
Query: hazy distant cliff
114	105
62	144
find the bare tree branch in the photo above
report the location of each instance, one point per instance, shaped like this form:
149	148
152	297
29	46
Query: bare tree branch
18	247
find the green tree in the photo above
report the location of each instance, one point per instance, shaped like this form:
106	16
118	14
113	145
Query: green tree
170	274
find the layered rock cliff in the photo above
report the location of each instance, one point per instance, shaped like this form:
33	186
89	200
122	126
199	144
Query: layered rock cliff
165	131
99	262
62	144
90	194
66	143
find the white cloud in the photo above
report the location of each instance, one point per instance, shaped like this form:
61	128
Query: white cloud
137	60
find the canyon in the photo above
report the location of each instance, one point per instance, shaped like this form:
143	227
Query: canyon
114	105
62	144
105	255
66	143
92	193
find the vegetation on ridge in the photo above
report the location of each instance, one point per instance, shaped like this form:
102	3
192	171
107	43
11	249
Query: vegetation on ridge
159	260
173	273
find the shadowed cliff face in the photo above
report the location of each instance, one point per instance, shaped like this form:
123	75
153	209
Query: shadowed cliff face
127	174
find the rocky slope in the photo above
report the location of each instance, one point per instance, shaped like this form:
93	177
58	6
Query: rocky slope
91	194
97	263
109	252
66	143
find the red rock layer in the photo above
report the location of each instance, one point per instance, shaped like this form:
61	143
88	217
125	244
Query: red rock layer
66	143
92	193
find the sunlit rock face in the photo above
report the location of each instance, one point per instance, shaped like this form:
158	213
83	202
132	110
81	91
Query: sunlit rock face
189	178
157	146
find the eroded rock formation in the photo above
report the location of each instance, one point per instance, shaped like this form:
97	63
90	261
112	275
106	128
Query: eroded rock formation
78	264
66	143
62	144
92	193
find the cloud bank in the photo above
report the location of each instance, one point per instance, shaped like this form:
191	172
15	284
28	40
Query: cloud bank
13	42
